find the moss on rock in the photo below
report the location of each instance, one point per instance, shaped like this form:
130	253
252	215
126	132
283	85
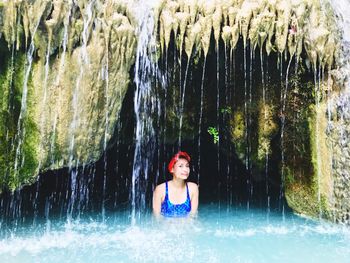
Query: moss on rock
308	175
238	130
16	145
267	130
79	73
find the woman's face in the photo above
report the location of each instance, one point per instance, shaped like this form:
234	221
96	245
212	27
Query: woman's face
181	169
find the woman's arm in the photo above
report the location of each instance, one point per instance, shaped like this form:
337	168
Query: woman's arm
194	198
157	200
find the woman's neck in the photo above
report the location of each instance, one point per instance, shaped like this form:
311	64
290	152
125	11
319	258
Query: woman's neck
178	183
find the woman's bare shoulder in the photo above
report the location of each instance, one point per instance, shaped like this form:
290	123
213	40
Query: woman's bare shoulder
160	188
192	186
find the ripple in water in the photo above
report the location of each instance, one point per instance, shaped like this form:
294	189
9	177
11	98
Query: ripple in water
234	236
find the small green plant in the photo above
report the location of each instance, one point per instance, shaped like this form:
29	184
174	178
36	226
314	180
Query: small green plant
227	110
215	133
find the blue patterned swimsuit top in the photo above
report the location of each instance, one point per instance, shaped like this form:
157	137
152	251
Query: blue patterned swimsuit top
175	210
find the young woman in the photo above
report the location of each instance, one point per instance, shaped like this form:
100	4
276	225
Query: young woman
176	198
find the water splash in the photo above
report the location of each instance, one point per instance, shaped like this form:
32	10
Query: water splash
202	240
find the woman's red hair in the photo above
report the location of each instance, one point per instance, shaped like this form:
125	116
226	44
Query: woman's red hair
176	157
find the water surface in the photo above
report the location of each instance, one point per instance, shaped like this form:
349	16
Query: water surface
217	235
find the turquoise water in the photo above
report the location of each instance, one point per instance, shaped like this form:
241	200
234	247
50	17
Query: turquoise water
234	235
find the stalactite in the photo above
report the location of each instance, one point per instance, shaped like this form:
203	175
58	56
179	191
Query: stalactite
109	32
280	25
205	38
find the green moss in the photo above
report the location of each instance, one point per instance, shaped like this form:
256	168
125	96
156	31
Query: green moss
7	116
302	199
267	129
307	178
28	171
313	147
322	177
11	85
289	178
300	167
300	196
238	130
54	153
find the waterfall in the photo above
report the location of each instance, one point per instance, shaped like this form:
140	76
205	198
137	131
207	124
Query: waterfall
76	186
342	11
341	8
218	116
145	106
44	101
58	78
246	122
339	119
84	60
265	126
87	35
182	102
249	127
21	119
201	119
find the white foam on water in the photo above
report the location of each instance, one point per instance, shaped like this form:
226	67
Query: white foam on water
240	237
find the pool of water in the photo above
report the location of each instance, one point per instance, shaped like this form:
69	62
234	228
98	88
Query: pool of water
217	235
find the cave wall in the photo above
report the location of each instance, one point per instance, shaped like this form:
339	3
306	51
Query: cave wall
67	67
64	75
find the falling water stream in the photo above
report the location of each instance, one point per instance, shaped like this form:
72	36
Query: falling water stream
58	77
145	105
20	125
201	118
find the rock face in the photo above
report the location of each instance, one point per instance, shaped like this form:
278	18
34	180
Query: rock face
322	191
64	76
65	70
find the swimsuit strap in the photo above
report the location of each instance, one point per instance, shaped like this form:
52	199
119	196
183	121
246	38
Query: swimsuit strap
188	192
175	210
166	189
